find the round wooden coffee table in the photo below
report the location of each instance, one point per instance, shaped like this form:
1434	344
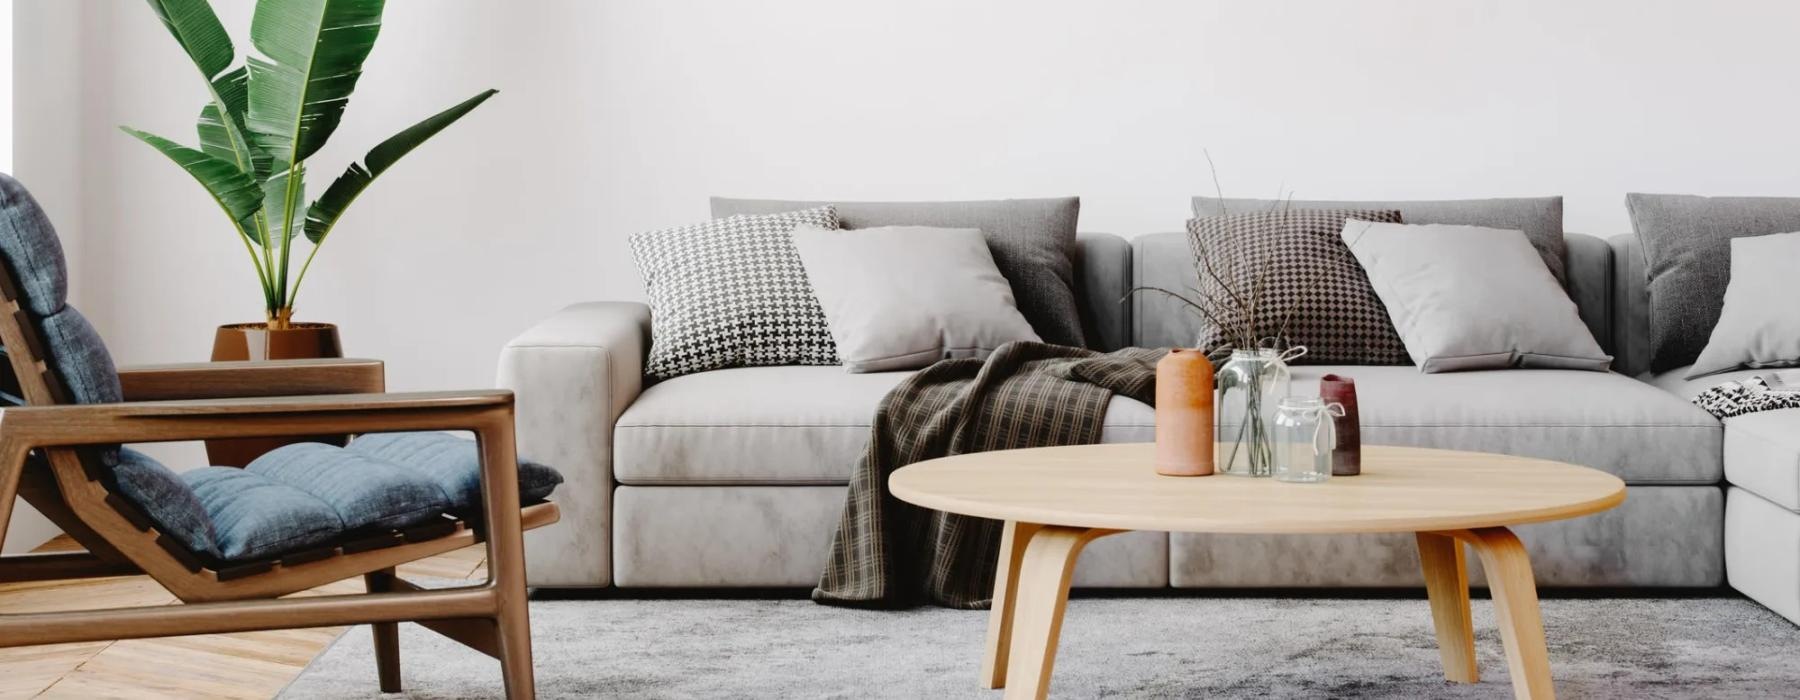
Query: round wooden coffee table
1055	500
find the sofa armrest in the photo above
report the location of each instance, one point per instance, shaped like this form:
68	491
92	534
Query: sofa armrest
572	375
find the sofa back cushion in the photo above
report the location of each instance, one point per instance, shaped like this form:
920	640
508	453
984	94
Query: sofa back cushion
1103	280
1541	218
1033	242
1630	306
1163	260
1686	243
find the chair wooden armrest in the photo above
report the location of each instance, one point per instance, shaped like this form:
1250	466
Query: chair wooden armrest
168	421
219	380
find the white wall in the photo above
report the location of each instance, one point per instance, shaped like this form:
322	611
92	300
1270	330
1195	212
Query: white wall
624	115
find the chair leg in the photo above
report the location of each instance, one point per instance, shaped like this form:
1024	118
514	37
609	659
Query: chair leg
514	626
387	635
506	556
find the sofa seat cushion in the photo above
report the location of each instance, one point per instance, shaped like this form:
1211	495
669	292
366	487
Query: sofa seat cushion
309	494
1603	420
1675	381
773	425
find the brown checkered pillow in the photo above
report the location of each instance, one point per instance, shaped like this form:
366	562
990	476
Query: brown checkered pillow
1313	292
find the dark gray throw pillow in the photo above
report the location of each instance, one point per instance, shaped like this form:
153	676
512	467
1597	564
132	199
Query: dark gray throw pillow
1307	283
1033	242
1541	218
1687	261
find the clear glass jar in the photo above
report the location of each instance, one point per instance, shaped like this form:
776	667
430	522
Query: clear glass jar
1249	388
1305	438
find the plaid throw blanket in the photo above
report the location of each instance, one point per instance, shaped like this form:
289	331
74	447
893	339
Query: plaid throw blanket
888	553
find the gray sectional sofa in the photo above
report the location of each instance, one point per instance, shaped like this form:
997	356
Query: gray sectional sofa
735	478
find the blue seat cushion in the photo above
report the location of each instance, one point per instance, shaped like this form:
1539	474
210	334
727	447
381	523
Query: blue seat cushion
454	464
308	495
365	492
254	517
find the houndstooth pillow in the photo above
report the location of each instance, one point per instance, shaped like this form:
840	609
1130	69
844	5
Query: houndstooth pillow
732	293
1313	292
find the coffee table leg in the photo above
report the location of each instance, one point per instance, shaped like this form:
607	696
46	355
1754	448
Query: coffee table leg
1042	593
1509	578
1006	593
1447	583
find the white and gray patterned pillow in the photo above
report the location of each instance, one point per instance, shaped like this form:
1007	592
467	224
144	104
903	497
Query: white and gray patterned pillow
732	292
1313	291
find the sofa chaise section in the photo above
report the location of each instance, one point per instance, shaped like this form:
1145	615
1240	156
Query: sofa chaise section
1762	502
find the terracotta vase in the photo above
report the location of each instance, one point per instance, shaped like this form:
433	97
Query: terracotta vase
256	341
1184	414
1346	460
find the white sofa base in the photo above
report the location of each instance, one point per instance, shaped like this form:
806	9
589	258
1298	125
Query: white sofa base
1762	551
777	536
1662	536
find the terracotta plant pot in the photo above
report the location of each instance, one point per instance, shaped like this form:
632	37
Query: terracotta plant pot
256	341
1184	414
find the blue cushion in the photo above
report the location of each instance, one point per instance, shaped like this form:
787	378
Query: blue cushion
454	464
311	494
168	500
254	517
80	357
365	492
31	250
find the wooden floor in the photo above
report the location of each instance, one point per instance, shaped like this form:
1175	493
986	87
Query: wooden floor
244	665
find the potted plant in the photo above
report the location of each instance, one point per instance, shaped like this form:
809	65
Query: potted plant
267	115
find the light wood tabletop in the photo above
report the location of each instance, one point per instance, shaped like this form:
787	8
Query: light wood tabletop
1401	489
1055	500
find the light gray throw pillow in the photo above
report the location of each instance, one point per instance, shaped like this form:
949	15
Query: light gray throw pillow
903	297
1468	297
1687	261
1032	241
1541	218
1760	324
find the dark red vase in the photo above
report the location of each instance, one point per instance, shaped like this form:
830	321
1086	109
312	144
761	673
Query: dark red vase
1346	460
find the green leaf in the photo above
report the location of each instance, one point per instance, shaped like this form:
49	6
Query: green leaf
324	213
315	51
275	199
235	191
199	32
226	141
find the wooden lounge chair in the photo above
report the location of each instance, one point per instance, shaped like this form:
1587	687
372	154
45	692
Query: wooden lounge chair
59	451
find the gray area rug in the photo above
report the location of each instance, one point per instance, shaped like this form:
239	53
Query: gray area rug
1157	647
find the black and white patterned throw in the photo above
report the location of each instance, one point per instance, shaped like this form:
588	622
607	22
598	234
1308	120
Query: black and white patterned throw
732	293
1747	396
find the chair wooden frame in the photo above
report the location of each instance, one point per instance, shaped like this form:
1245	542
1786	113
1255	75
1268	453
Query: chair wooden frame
44	459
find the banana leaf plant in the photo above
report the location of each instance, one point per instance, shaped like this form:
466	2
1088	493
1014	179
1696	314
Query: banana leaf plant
270	113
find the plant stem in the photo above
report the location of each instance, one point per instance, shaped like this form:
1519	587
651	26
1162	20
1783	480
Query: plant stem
295	173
